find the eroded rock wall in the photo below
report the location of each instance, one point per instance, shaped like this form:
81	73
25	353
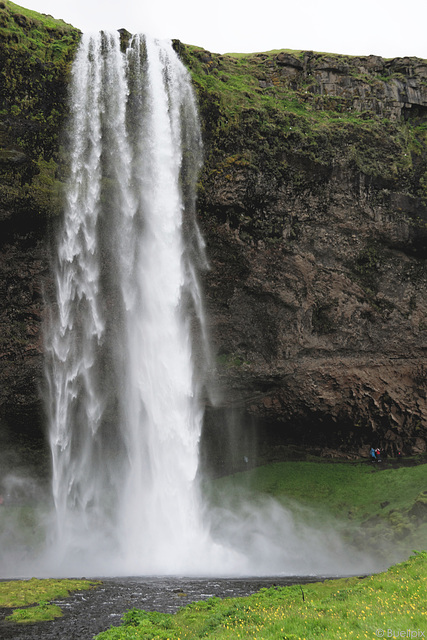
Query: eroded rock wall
315	218
35	57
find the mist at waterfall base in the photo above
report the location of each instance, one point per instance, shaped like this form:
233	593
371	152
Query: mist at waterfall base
127	355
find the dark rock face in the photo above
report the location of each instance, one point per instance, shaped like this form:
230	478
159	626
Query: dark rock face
22	264
327	331
317	288
313	203
35	58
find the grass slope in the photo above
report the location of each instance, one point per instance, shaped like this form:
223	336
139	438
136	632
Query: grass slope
36	53
359	487
374	505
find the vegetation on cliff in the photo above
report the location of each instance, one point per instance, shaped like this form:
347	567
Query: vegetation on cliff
292	116
36	52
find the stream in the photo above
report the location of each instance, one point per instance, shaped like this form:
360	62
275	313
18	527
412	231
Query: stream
87	613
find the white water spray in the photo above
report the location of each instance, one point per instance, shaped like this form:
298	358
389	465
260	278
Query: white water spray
125	410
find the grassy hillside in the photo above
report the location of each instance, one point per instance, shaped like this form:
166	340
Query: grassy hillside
375	506
35	53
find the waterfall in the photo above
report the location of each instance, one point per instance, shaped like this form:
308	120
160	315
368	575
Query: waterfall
126	349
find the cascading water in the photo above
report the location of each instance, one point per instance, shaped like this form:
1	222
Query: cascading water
124	394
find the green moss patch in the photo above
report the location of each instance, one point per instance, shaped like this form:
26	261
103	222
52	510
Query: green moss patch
21	595
40	613
267	118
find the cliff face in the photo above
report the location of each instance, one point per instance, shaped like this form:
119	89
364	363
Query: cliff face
313	203
35	56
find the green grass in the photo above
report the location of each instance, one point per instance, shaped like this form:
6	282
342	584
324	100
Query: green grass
36	53
335	609
43	612
357	487
296	52
45	19
15	594
36	36
254	80
375	507
35	50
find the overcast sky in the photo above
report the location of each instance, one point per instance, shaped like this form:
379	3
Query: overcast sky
388	28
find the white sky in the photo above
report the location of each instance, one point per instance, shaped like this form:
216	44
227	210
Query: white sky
388	28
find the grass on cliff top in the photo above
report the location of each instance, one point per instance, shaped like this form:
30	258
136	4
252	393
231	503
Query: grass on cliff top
27	593
46	19
235	80
334	609
298	53
36	35
256	80
247	97
36	53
